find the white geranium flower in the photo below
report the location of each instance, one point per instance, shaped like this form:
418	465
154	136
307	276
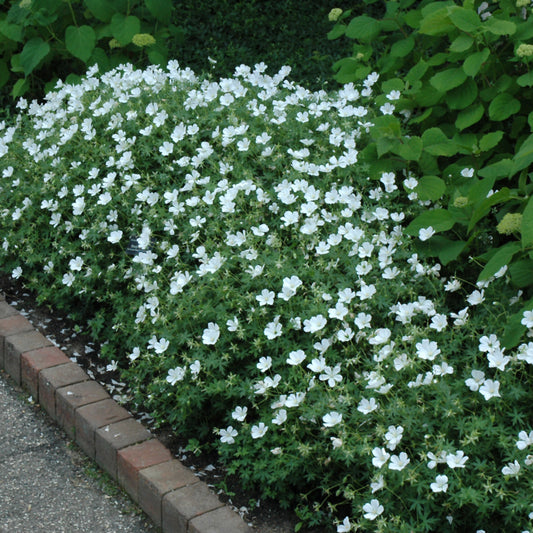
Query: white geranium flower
227	435
440	484
259	431
314	324
211	333
332	419
373	509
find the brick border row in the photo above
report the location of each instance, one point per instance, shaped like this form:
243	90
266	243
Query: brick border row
169	493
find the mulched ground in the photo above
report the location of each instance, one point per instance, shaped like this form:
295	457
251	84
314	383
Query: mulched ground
266	517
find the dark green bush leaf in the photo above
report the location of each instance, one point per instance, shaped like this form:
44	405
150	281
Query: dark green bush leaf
503	106
483	207
524	157
474	62
410	149
337	31
34	51
490	140
436	23
102	9
526	80
526	229
12	31
462	96
521	273
436	143
363	28
4	73
514	330
502	257
430	188
448	79
499	27
160	9
501	169
461	43
468	117
403	47
80	41
465	19
438	219
124	28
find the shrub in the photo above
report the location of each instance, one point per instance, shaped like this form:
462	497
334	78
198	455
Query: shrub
255	285
39	37
464	75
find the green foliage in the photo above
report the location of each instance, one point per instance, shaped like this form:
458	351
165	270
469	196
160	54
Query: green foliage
65	37
261	295
462	119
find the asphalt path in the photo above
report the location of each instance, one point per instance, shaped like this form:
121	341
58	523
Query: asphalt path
46	484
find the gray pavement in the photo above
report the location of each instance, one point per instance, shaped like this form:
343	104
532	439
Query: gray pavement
46	484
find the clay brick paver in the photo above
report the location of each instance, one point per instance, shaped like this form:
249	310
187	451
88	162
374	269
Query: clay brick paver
113	437
16	345
182	505
6	310
31	363
222	520
155	481
93	416
134	458
55	377
11	324
69	398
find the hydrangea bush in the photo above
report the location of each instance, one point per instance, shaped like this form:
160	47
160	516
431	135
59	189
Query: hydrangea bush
254	285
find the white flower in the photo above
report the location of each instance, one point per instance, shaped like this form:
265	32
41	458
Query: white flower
331	375
345	526
477	379
427	349
525	440
266	297
497	360
528	319
317	365
273	329
226	435
232	324
381	456
362	320
440	484
314	324
367	406
76	264
259	430
378	484
488	344
332	419
525	353
490	389
211	333
264	363
115	236
426	233
476	297
399	462
294	400
280	418
239	413
175	375
393	436
16	272
160	345
296	357
381	336
511	469
372	509
456	460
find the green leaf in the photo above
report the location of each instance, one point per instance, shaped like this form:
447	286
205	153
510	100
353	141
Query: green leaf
502	169
34	51
484	206
490	140
102	9
80	41
461	43
465	19
436	23
410	149
12	31
503	106
474	62
499	27
448	79
160	9
469	116
521	273
526	229
337	31
4	73
526	80
438	219
403	47
20	87
124	28
436	143
530	120
417	72
462	96
524	157
515	330
502	257
365	29
430	188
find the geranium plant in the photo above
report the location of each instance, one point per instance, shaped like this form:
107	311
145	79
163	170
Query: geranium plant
253	282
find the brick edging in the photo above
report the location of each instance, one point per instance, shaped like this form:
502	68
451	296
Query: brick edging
168	492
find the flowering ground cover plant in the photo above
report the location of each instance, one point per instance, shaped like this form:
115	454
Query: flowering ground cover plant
256	289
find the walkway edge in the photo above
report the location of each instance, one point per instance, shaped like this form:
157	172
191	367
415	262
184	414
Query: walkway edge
168	492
